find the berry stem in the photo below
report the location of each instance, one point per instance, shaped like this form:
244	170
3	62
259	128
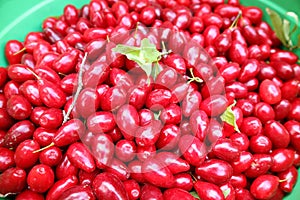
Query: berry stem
34	74
234	23
194	78
46	147
20	51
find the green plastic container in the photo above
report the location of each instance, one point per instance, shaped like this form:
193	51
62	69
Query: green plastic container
18	17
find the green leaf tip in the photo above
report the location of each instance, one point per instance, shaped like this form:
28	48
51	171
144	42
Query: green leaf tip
229	117
226	192
194	194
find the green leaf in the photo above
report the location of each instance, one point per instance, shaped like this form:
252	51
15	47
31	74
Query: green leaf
144	55
156	115
298	43
149	52
156	69
295	17
277	24
286	32
229	118
195	194
226	192
147	67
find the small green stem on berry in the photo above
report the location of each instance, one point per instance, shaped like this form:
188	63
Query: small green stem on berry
107	38
234	23
6	195
42	149
193	177
253	164
286	179
164	50
136	29
20	51
34	74
194	78
62	74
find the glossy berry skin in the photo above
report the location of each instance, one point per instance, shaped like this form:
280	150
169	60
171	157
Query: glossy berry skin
264	186
51	118
51	95
102	149
149	134
127	120
293	128
125	150
107	186
269	92
78	192
3	76
169	137
157	174
80	156
19	73
282	159
260	165
65	168
251	126
226	150
44	136
211	192
119	169
13	180
40	178
24	156
260	144
60	186
215	171
290	177
101	121
68	133
12	47
176	193
264	112
6	121
183	181
28	194
192	149
238	52
242	163
277	133
174	163
51	156
149	191
29	89
18	107
6	159
132	188
19	132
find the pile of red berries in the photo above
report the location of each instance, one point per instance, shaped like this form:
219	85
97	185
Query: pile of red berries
119	101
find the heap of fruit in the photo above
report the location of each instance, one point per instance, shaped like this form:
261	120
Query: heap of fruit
150	99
